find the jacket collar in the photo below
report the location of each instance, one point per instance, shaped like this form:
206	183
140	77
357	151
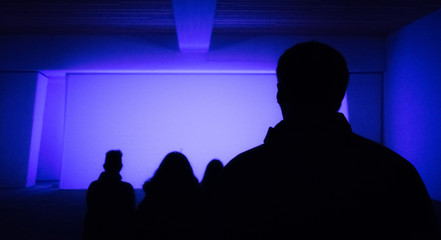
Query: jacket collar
107	176
303	129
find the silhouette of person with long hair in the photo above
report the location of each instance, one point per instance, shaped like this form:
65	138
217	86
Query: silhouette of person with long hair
210	207
313	178
210	181
170	209
110	203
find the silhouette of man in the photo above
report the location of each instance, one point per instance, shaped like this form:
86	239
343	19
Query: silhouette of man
313	178
110	203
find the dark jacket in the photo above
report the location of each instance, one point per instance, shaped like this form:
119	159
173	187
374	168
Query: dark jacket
169	210
110	208
318	180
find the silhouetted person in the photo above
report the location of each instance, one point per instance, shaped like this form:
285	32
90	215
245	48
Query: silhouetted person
210	181
313	178
170	209
110	203
210	224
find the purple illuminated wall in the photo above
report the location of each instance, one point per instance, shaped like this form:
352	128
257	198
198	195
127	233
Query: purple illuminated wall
204	116
407	122
412	120
243	59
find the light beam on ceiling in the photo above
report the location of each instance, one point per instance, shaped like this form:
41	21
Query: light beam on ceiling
194	24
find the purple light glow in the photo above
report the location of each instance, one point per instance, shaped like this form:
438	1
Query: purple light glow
204	116
37	127
412	100
194	24
148	115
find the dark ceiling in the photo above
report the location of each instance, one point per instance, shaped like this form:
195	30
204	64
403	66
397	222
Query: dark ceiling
339	17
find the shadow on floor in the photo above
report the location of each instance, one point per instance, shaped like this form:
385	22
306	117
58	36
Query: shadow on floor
46	212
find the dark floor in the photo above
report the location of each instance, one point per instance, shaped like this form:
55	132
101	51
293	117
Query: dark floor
45	212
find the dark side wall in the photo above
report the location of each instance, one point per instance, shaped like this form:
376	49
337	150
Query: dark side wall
412	103
22	96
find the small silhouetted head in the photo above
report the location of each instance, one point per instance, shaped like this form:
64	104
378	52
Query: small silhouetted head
212	173
311	75
113	162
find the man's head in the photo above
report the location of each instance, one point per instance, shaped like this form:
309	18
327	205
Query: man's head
312	76
113	161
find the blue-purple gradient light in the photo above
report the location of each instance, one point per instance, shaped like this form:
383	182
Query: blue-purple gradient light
204	116
37	127
146	116
412	98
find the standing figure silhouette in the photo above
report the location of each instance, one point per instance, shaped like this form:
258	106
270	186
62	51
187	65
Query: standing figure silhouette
211	227
313	178
210	181
170	208
110	203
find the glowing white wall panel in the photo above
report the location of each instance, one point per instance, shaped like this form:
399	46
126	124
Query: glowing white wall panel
51	147
148	115
37	127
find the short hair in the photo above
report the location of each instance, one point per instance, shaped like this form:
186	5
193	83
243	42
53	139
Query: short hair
113	160
312	72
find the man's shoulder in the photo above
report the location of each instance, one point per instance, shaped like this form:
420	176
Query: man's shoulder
247	157
102	184
127	186
368	146
244	162
378	155
94	185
